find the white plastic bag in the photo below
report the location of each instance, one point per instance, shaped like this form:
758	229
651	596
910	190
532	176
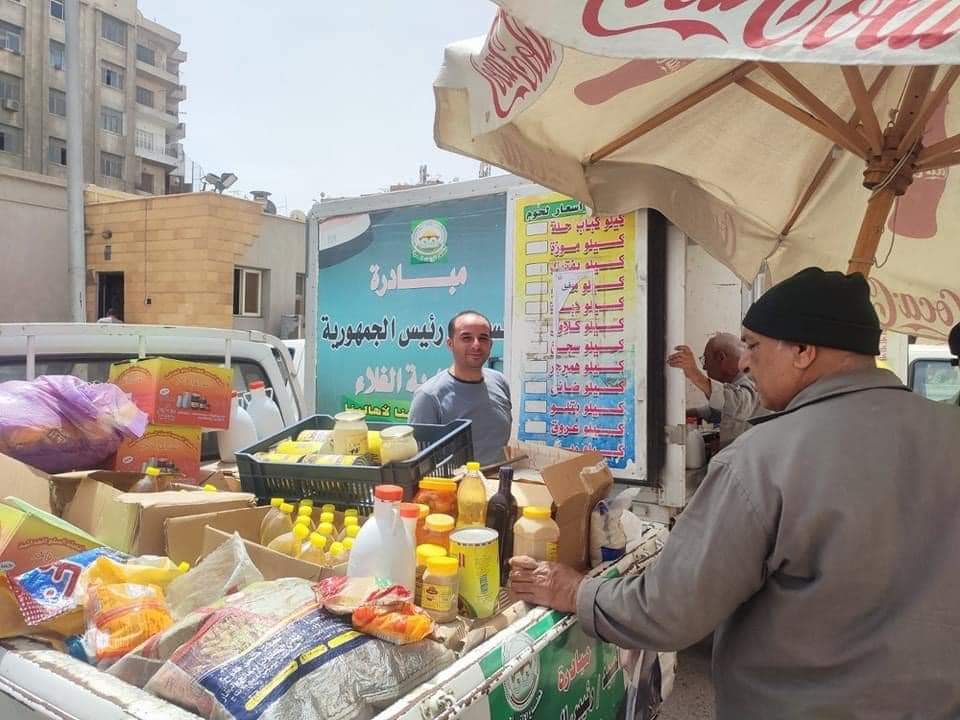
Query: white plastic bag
608	541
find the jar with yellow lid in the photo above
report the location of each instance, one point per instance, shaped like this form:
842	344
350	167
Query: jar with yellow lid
536	535
439	494
424	553
441	587
436	530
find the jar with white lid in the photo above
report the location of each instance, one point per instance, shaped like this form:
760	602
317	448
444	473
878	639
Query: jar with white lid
350	433
397	443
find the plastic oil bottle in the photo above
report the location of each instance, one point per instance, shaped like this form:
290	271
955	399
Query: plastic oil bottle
289	543
275	525
307	512
337	554
472	499
301	531
315	550
382	548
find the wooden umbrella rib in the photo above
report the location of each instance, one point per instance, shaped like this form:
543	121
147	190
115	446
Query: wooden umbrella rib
944	161
930	105
939	150
674	110
865	112
820	110
828	161
798	114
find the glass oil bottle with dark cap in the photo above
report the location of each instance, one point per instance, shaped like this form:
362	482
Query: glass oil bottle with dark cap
501	515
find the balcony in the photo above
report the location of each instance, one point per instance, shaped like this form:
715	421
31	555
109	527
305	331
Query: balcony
178	55
178	133
162	116
168	155
158	73
179	93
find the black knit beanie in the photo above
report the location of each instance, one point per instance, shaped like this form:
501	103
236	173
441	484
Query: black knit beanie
822	308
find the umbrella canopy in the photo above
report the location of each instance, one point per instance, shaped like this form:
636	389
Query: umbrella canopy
776	133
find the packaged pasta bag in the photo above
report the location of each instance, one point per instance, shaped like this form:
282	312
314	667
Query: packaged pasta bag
143	570
120	617
397	622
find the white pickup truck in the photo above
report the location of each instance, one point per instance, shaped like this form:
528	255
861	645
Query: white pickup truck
88	350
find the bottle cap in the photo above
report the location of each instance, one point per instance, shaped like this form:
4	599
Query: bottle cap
325	529
427	551
327	507
153	472
184	567
424	510
256	385
473	467
286	507
209	488
445	566
389	493
351	520
300	531
438	522
353	531
351	512
305	510
306	501
409	510
440	484
536	513
276	502
326	517
318	541
303	520
347	543
336	549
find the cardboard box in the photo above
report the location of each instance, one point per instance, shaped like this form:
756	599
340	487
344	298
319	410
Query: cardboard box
574	496
134	522
31	537
171	448
25	482
184	535
175	392
272	565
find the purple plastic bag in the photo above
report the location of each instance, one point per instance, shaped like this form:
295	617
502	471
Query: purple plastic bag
59	423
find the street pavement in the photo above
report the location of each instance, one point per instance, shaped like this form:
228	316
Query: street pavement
692	697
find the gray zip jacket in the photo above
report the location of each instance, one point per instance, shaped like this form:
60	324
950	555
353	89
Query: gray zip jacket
736	402
824	548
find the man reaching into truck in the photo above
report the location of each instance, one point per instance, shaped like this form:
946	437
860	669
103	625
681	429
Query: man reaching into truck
821	546
468	389
731	393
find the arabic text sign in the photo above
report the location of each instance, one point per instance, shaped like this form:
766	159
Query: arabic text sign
574	328
386	296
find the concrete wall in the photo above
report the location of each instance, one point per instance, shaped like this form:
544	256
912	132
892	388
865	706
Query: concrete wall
33	245
280	252
177	254
713	305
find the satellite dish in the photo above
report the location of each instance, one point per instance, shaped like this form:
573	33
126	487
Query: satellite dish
298	215
219	182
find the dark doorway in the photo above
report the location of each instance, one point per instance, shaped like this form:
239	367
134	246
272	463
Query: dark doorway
110	294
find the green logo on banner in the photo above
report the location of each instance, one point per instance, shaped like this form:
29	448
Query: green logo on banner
428	242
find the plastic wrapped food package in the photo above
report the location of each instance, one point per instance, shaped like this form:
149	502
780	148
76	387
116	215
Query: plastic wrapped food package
270	651
396	622
341	595
59	423
120	617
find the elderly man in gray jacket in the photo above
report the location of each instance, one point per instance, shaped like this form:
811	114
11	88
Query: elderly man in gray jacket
822	545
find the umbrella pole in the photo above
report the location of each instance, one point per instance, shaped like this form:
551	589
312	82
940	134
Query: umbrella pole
871	230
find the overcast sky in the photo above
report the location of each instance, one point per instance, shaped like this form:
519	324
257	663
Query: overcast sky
301	97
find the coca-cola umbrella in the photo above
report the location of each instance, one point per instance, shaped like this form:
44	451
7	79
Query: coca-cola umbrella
779	134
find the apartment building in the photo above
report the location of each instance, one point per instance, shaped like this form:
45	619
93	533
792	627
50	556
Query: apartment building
132	92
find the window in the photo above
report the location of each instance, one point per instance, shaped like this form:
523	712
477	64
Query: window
111	75
10	37
147	55
246	292
57	151
58	55
11	139
146	183
111	120
111	165
9	87
936	379
58	102
300	293
144	96
56	9
113	30
145	140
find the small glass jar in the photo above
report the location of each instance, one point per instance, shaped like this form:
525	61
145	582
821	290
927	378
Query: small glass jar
350	433
397	444
437	529
439	494
441	586
424	553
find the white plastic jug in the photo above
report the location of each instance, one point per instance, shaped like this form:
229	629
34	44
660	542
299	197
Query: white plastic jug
382	547
264	411
241	434
696	449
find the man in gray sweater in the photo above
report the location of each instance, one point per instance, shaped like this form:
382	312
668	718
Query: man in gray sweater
822	544
469	390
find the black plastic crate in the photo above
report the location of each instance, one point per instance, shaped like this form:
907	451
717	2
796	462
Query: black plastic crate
443	449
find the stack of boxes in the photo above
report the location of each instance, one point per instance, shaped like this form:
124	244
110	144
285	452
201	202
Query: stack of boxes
180	398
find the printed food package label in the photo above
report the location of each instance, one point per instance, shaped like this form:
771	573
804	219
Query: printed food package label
176	392
31	538
174	450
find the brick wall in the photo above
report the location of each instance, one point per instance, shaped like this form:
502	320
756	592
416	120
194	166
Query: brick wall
177	250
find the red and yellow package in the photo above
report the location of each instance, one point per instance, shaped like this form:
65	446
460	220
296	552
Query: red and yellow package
121	617
399	622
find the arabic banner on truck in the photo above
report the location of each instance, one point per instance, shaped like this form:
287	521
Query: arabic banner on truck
575	328
387	290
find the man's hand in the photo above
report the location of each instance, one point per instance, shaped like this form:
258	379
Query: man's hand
545	583
683	359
